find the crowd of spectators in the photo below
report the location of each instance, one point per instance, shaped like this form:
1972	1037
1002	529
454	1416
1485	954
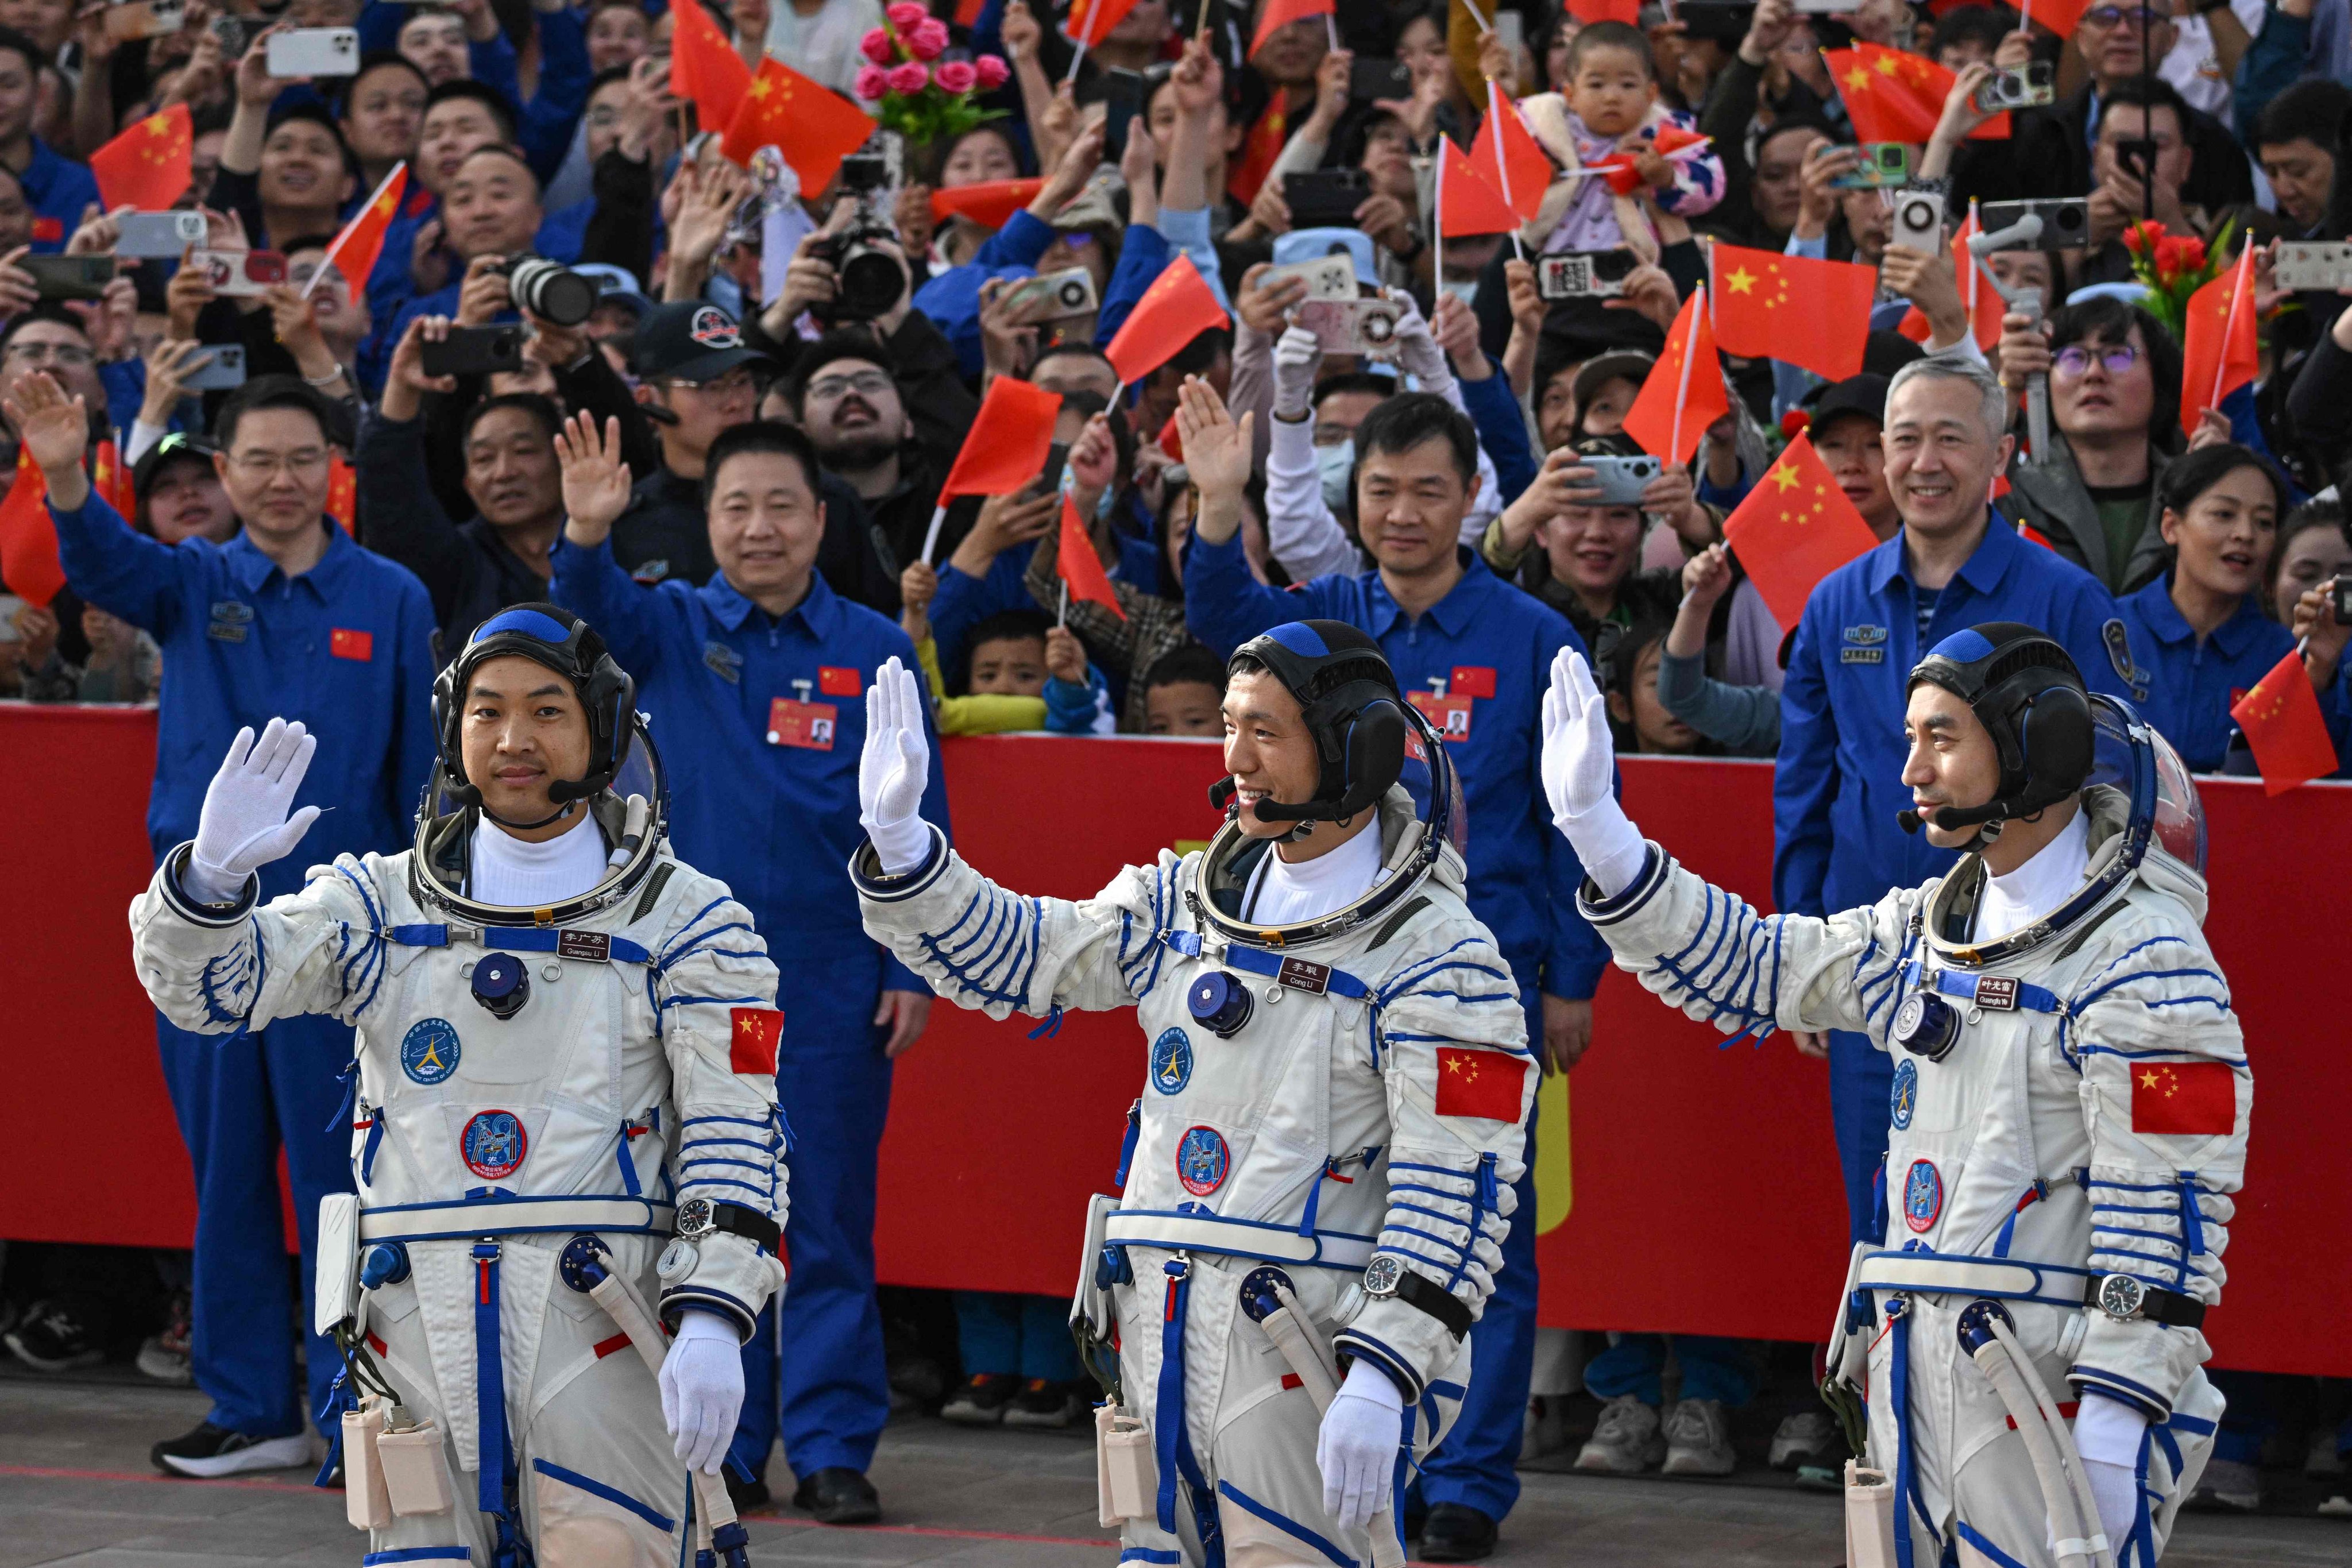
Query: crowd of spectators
1439	485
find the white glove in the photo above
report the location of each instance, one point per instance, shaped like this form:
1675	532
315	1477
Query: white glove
244	825
1357	1448
1580	769
1297	355
702	1387
1418	355
2108	1435
892	770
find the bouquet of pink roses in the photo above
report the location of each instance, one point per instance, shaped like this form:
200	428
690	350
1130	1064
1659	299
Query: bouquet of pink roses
922	97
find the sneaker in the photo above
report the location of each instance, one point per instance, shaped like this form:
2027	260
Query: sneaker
1698	1439
2229	1485
1809	1438
981	1400
49	1338
1043	1405
211	1451
1545	1429
164	1357
2324	1461
1627	1441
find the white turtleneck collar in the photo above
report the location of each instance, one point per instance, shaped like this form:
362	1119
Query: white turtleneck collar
514	873
2016	900
1284	893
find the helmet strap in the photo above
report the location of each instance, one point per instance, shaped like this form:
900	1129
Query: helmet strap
558	815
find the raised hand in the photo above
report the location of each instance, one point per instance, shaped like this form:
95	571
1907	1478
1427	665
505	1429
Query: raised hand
245	825
55	429
596	480
1580	773
892	770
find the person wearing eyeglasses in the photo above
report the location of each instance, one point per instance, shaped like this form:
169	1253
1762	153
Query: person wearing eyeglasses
2114	409
289	617
46	338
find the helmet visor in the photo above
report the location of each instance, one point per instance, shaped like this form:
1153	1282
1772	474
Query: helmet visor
2130	755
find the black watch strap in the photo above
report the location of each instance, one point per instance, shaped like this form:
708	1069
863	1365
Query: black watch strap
2170	1308
740	1219
1420	1290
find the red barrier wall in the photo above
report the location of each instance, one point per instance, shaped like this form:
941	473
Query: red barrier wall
1699	1186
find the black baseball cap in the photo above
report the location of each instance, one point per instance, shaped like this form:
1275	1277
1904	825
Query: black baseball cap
1865	394
174	447
689	340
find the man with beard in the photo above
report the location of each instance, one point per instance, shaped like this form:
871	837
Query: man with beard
858	401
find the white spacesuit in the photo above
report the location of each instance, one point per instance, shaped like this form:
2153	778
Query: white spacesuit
1333	1115
543	1096
2069	1110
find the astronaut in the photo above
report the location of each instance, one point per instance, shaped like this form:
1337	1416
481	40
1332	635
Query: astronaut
564	1072
1333	1115
2069	1105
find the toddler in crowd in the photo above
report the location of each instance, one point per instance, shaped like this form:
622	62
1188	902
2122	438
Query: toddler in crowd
1023	672
1609	119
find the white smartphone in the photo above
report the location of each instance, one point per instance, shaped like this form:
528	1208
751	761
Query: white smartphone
315	51
158	234
1512	28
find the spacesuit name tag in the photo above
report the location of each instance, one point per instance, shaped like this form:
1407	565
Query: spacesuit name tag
592	946
808	725
1996	994
1301	975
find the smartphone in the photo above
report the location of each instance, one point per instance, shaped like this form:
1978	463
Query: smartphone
1326	277
1366	327
217	372
1122	101
315	51
1621	480
1326	198
237	34
2023	87
149	235
69	277
1918	221
233	273
1826	8
1057	459
2314	264
145	19
1512	28
1052	296
2066	220
473	351
1882	164
1374	78
1584	274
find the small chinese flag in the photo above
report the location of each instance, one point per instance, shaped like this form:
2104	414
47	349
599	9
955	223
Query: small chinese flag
147	167
1008	442
1810	314
28	541
2282	724
2219	353
1171	440
1587	12
1467	201
840	680
989	203
1984	302
1893	96
1683	392
343	494
2184	1097
1092	20
1080	567
1795	528
813	126
1507	153
106	473
1618	168
1175	309
343	642
1249	171
705	69
755	1032
352	252
1282	12
1480	1083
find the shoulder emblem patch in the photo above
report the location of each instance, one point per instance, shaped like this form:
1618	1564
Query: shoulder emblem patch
1172	1061
2119	652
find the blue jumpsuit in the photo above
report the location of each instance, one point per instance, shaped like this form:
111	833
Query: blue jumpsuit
1839	783
346	648
1476	662
760	723
2195	680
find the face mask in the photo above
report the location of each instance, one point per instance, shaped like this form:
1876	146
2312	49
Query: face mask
1467	292
1334	463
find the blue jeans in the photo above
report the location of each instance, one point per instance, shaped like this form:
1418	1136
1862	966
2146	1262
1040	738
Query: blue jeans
1713	1368
1003	1334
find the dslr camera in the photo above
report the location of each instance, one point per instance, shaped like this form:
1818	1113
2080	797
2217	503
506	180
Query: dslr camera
869	280
550	290
2027	86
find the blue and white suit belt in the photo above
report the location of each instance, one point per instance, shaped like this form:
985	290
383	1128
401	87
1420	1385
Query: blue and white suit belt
506	1215
1957	1274
1175	1232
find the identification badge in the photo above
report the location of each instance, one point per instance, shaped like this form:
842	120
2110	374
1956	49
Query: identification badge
808	725
1301	975
1996	994
1449	716
592	946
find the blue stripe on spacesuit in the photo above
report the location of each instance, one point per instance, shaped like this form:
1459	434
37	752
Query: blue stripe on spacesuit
1151	1554
2080	1003
2171	1052
1976	1537
1906	1474
1460	1253
415	1555
1415	1208
1172	1435
659	1520
1283	1522
494	1458
1358	1342
225	975
1435	963
1458	1040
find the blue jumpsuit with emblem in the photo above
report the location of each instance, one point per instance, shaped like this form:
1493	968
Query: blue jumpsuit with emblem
2194	681
1475	662
1839	783
766	718
346	648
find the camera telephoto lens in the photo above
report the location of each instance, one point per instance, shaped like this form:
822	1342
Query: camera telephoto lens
869	283
551	291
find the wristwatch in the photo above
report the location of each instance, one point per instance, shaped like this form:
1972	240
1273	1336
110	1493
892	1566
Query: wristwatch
1386	1277
2127	1300
701	1217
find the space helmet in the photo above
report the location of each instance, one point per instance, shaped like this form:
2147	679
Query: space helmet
1376	752
2025	691
623	786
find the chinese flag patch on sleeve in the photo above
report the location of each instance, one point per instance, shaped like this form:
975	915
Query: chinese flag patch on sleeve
1479	1083
2184	1098
751	1044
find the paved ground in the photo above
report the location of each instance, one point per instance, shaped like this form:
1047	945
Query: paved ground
75	1487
